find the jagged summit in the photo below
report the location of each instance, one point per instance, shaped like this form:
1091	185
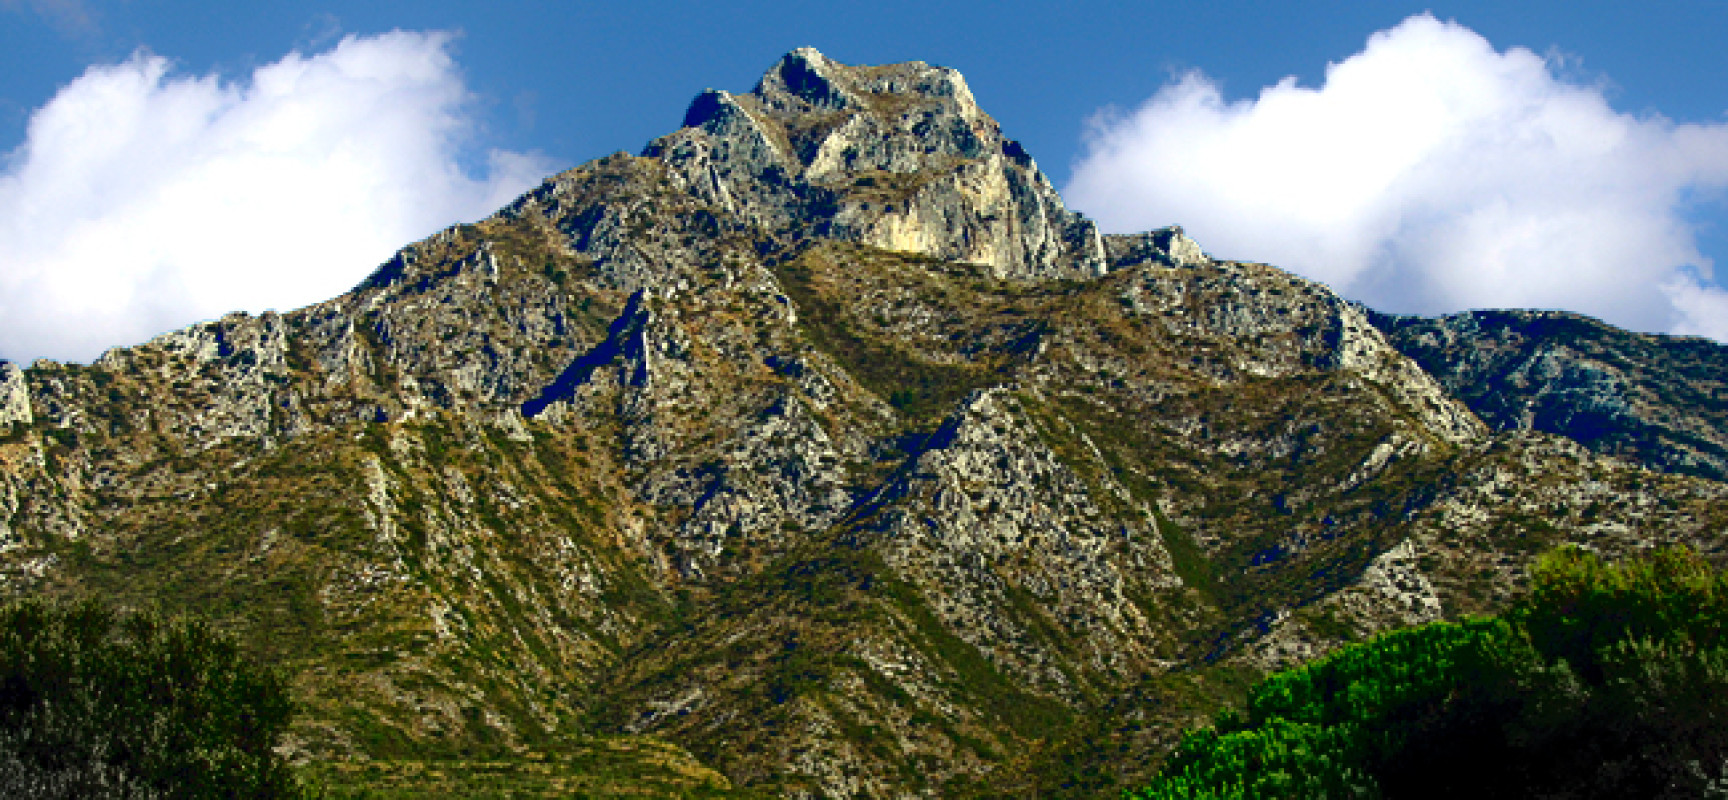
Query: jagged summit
805	99
804	80
897	156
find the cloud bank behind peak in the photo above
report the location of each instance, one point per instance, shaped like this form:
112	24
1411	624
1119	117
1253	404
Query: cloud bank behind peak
143	200
1429	173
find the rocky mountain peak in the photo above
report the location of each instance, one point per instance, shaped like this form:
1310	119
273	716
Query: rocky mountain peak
897	156
805	76
722	446
805	80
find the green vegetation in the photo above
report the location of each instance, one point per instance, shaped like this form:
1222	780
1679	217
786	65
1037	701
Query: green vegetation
95	703
918	386
1604	681
587	767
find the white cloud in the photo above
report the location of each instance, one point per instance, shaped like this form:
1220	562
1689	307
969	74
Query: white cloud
1703	309
143	200
1429	173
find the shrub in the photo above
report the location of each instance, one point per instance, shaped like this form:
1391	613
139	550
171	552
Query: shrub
1604	681
98	703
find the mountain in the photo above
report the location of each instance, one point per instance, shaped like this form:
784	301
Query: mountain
1659	401
818	447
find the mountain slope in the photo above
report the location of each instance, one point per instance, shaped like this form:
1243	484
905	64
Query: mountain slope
819	440
1656	400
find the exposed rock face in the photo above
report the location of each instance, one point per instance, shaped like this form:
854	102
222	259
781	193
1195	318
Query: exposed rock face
1169	246
898	157
14	396
821	440
15	418
1657	400
992	514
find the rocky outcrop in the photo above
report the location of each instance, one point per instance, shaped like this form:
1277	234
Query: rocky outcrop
14	396
1011	543
1656	400
1296	326
17	457
898	157
1168	246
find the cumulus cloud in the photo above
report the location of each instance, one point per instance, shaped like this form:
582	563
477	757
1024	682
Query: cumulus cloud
142	200
1703	310
1430	173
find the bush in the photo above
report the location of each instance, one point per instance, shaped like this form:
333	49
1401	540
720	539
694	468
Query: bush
1606	681
96	703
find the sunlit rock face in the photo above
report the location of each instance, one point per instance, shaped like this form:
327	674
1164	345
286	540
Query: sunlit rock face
898	157
819	444
14	396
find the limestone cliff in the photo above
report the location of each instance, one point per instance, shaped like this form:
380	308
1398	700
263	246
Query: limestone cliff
898	157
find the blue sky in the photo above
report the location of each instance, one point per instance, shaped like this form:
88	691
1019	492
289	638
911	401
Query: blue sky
167	158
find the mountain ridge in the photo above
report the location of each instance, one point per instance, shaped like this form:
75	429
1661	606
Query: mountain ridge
1583	379
820	440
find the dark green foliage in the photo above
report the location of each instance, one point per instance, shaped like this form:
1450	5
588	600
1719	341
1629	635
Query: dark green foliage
95	703
1606	681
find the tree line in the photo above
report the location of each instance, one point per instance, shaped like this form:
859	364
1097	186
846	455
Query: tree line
1605	680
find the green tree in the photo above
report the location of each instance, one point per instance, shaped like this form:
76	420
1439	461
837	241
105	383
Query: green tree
1605	681
99	703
